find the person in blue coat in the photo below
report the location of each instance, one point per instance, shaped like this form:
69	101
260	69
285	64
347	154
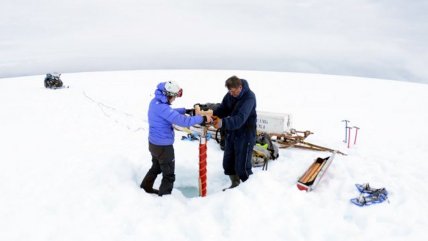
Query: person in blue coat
161	118
237	115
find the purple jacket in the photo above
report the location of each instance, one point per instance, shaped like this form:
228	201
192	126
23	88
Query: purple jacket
161	118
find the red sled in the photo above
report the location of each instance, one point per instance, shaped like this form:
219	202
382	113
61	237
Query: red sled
310	179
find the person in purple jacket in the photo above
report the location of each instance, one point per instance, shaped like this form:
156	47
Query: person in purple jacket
161	135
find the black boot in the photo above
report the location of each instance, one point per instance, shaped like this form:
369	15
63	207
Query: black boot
167	184
147	184
235	181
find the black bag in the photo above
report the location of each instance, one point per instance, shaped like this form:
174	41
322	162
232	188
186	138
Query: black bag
264	150
208	106
263	139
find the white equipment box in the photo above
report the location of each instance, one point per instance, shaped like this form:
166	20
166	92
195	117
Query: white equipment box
273	122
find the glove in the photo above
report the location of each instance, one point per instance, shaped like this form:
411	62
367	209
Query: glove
197	109
208	117
207	120
217	122
190	112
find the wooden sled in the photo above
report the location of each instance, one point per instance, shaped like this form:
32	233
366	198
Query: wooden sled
297	139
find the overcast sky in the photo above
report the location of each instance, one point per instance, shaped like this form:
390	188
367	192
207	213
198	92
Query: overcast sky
370	38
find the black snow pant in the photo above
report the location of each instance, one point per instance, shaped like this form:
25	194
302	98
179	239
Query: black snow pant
163	161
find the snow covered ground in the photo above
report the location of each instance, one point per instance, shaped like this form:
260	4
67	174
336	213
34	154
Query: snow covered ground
71	161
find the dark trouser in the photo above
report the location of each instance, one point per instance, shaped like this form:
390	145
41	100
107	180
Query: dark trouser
237	157
163	161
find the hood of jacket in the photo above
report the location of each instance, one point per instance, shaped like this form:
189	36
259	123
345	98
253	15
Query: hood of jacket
159	93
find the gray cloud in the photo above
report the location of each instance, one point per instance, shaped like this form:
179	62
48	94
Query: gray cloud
382	39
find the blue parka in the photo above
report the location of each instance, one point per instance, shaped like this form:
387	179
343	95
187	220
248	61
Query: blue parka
161	118
239	120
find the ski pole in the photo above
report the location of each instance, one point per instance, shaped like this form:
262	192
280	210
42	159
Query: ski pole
346	131
349	135
356	133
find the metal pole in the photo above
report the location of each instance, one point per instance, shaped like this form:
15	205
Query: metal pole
346	131
356	133
349	135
